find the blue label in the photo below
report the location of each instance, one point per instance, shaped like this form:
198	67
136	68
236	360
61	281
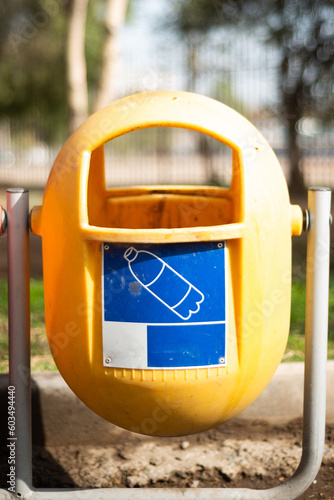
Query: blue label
164	305
188	346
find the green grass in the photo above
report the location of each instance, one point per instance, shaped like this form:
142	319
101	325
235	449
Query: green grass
41	358
296	342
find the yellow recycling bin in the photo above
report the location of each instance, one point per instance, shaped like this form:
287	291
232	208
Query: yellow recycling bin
167	308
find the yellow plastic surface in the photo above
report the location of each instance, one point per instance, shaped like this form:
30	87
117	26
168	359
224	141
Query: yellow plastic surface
254	216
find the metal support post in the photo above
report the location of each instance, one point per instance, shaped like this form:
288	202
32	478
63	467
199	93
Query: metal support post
316	329
19	332
316	335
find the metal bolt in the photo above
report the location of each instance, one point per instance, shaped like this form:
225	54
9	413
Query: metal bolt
220	245
306	220
108	361
3	220
221	360
106	247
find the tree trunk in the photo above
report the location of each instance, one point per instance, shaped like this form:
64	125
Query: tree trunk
293	115
76	65
296	182
191	66
114	20
292	91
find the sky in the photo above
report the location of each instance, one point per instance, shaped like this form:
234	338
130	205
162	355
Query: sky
153	59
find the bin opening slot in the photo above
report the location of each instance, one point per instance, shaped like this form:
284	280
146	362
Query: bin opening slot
164	205
167	155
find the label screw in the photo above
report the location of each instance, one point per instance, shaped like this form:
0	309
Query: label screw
107	361
221	360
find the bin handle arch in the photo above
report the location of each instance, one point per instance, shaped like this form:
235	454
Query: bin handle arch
158	109
162	109
167	109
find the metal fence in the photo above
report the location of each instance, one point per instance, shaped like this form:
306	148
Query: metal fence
236	70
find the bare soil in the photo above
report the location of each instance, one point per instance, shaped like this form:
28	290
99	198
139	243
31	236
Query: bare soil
238	454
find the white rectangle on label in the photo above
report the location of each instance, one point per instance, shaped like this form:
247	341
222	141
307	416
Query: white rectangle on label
124	344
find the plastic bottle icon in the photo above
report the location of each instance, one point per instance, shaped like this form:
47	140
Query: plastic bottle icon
164	283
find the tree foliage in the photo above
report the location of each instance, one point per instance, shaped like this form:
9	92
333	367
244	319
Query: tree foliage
33	58
302	30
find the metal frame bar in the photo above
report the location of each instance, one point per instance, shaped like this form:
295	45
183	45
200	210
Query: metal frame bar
19	331
316	327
